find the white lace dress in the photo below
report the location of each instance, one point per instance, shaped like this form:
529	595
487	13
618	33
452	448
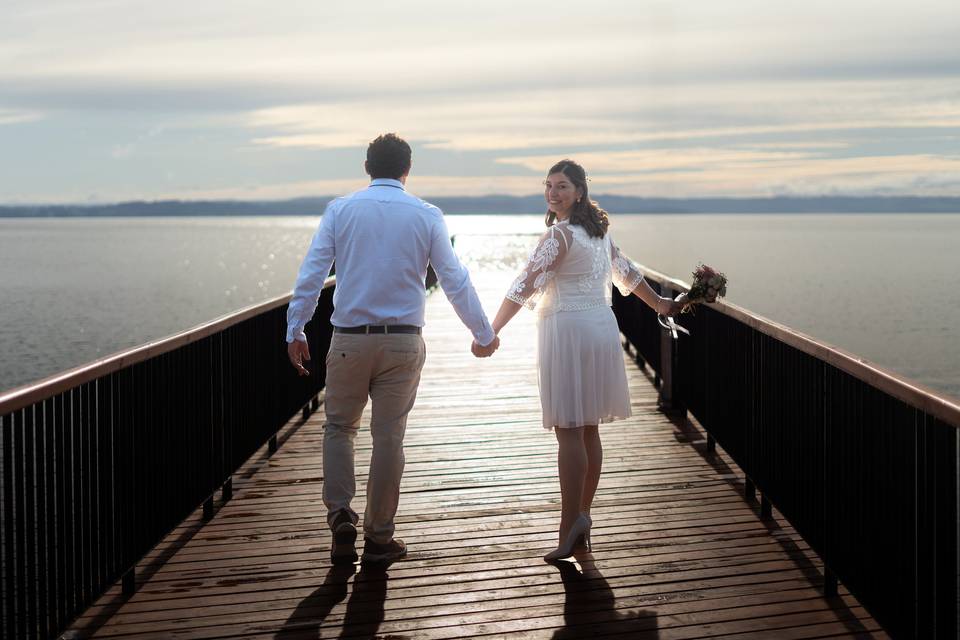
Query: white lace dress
579	358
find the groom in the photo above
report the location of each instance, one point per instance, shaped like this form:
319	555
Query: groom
382	239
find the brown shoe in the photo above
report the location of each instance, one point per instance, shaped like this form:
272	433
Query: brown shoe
343	549
376	552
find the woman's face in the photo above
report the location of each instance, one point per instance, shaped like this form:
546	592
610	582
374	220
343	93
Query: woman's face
560	194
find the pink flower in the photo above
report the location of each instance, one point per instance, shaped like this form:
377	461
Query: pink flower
708	284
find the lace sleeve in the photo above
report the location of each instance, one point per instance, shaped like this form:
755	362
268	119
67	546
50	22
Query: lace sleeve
540	269
626	275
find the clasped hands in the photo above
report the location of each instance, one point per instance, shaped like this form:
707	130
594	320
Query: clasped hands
481	351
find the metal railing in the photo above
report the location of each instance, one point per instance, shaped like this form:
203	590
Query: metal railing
99	463
862	462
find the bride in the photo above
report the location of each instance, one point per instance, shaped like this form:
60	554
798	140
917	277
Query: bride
581	372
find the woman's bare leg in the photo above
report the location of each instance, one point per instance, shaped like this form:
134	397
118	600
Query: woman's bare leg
594	452
572	468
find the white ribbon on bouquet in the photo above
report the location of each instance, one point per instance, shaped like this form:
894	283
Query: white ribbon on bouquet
668	323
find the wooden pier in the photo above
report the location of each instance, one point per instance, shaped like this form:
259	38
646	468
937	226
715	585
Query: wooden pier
677	550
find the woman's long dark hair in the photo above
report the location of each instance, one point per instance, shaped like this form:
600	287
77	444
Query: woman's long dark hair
586	212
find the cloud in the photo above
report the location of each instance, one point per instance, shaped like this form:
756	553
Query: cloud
127	149
669	97
662	160
616	116
273	191
121	151
819	145
11	116
760	175
749	176
183	55
423	185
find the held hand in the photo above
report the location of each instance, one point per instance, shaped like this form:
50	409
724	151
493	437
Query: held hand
487	351
298	352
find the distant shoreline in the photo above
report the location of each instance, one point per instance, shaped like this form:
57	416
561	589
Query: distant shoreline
495	204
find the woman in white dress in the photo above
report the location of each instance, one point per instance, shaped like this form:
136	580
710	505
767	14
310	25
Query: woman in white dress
581	371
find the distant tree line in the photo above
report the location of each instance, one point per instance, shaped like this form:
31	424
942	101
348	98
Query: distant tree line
497	204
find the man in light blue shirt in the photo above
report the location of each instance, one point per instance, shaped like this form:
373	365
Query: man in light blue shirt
382	239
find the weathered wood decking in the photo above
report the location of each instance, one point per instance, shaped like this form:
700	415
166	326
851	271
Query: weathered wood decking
677	553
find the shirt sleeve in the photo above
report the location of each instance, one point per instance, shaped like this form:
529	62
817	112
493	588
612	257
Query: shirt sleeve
313	271
626	275
455	281
540	269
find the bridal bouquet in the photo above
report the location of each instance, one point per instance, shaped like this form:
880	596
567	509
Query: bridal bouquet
708	285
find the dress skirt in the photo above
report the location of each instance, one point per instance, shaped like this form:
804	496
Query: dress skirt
581	372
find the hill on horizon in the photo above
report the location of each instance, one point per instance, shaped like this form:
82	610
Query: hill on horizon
503	204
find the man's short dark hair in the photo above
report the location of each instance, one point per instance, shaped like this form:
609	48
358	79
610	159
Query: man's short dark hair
388	157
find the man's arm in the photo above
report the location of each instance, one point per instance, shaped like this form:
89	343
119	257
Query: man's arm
313	271
454	279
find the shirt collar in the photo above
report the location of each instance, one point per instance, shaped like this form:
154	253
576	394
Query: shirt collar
387	182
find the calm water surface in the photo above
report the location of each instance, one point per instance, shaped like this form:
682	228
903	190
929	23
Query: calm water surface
881	286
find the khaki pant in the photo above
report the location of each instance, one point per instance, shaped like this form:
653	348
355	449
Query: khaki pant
385	367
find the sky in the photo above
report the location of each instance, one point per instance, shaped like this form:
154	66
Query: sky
110	100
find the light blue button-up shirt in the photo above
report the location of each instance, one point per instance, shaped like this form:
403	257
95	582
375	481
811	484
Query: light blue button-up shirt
382	238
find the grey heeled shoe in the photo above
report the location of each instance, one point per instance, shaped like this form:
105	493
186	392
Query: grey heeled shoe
581	526
584	541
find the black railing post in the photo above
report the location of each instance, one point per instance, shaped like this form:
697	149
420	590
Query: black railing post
130	581
830	584
208	509
766	508
670	400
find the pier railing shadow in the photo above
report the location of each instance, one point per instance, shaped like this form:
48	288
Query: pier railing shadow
862	462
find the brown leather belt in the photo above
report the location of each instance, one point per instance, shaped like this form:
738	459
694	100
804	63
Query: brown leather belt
380	328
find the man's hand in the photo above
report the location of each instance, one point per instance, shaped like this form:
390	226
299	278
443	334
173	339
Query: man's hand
298	352
487	351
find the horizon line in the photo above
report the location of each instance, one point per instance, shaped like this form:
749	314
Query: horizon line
821	196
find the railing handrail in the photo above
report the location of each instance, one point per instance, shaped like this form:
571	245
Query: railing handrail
33	392
914	393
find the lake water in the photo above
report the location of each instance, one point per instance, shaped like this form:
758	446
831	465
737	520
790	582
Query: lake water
881	286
